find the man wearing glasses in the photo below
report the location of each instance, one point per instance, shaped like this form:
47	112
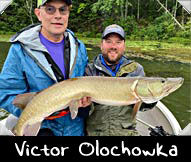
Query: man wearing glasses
40	56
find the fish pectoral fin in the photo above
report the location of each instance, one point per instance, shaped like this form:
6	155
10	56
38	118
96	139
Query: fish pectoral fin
22	100
73	106
32	130
136	109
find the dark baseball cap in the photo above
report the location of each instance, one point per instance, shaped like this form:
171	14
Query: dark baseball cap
114	28
42	2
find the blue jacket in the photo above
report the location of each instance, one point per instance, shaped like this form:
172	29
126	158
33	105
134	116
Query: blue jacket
26	69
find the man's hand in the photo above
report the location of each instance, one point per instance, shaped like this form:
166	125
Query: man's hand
85	101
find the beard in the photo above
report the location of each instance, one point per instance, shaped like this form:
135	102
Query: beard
111	60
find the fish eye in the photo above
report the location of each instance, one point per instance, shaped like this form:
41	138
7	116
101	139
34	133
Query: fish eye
163	81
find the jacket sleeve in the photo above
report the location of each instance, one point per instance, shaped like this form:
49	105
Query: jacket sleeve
90	70
145	107
138	72
12	80
84	55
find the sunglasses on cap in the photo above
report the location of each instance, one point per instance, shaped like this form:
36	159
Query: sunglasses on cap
51	10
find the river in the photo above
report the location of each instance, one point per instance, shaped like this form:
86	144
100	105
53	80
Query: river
179	102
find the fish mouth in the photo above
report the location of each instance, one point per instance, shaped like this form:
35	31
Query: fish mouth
173	84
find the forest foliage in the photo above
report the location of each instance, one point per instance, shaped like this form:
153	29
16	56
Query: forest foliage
141	19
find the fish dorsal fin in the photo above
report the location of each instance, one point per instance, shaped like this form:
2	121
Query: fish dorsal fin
22	100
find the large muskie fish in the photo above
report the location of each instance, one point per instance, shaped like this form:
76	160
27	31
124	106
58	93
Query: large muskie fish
104	90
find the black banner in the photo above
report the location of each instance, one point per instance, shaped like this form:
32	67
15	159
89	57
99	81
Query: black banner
94	148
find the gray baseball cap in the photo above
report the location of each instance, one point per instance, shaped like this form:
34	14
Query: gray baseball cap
42	2
114	28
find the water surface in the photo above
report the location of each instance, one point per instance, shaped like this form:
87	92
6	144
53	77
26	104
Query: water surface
178	102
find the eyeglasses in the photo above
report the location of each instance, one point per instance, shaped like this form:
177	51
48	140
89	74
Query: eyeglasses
51	10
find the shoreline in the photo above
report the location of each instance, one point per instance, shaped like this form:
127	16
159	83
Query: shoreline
151	50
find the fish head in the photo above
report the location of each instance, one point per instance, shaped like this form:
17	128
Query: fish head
151	90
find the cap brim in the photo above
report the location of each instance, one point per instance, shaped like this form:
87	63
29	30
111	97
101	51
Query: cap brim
67	2
107	34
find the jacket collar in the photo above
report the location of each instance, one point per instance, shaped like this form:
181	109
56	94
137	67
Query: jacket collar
101	67
30	41
29	37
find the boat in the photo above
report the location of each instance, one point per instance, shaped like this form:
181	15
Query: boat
159	116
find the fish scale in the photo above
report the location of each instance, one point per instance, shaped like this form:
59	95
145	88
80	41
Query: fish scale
103	90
